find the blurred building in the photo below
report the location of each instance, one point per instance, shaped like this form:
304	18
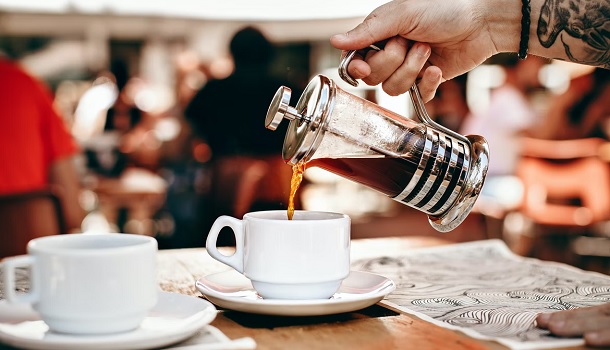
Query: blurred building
167	51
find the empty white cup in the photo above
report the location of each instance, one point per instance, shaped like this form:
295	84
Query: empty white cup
88	283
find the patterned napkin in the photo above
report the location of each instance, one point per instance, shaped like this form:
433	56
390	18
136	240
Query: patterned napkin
484	290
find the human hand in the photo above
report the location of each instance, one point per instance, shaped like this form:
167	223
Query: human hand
398	65
452	36
591	322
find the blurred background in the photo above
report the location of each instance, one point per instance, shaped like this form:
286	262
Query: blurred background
153	95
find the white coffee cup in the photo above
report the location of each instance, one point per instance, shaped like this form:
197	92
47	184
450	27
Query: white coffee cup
88	283
304	258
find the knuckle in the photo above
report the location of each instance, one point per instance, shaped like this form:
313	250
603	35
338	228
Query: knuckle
368	26
371	80
395	56
393	89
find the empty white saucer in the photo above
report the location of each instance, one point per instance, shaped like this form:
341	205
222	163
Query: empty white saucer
174	318
232	290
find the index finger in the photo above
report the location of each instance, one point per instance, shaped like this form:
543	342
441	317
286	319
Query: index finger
383	23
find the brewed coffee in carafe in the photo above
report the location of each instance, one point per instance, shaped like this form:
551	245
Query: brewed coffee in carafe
420	164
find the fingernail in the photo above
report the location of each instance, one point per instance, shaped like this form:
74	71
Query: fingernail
423	50
341	36
592	337
544	317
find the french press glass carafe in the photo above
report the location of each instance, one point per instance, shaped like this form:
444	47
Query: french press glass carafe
420	164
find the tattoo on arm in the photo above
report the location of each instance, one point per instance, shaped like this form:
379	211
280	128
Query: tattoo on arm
582	26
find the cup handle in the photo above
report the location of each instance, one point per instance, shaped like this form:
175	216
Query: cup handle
9	266
236	260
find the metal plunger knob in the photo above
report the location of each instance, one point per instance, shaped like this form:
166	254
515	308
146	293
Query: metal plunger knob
280	109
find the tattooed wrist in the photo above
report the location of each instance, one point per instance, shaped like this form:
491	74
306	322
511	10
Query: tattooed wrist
581	27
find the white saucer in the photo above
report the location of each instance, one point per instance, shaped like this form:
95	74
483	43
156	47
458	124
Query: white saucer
232	290
174	318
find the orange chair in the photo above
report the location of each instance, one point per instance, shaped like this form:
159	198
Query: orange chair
26	216
566	189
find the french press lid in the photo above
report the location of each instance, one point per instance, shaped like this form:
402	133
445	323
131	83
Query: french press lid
307	119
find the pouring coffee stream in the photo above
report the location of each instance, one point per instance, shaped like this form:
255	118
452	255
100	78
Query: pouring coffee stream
422	165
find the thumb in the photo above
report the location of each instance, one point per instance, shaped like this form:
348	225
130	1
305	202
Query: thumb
382	23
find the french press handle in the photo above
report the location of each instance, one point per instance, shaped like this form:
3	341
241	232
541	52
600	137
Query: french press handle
418	103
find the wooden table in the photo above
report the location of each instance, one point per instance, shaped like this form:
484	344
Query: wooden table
375	327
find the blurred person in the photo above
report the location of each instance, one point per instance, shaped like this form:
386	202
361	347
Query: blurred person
436	40
582	111
508	117
228	114
90	112
37	150
103	150
183	163
91	121
509	114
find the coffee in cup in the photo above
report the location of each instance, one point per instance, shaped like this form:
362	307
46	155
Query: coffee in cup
304	258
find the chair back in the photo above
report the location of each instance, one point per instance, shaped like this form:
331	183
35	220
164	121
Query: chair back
26	216
565	182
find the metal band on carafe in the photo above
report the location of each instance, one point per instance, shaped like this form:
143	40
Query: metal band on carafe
440	174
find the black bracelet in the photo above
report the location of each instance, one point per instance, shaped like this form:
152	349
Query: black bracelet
525	28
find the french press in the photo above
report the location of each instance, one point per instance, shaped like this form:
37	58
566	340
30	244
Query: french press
423	165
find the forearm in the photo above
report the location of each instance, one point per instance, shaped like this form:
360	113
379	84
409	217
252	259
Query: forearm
63	175
575	30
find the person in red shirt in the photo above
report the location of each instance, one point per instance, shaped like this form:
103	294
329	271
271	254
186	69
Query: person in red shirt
36	149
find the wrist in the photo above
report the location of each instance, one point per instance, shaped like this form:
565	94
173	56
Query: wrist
504	23
535	46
